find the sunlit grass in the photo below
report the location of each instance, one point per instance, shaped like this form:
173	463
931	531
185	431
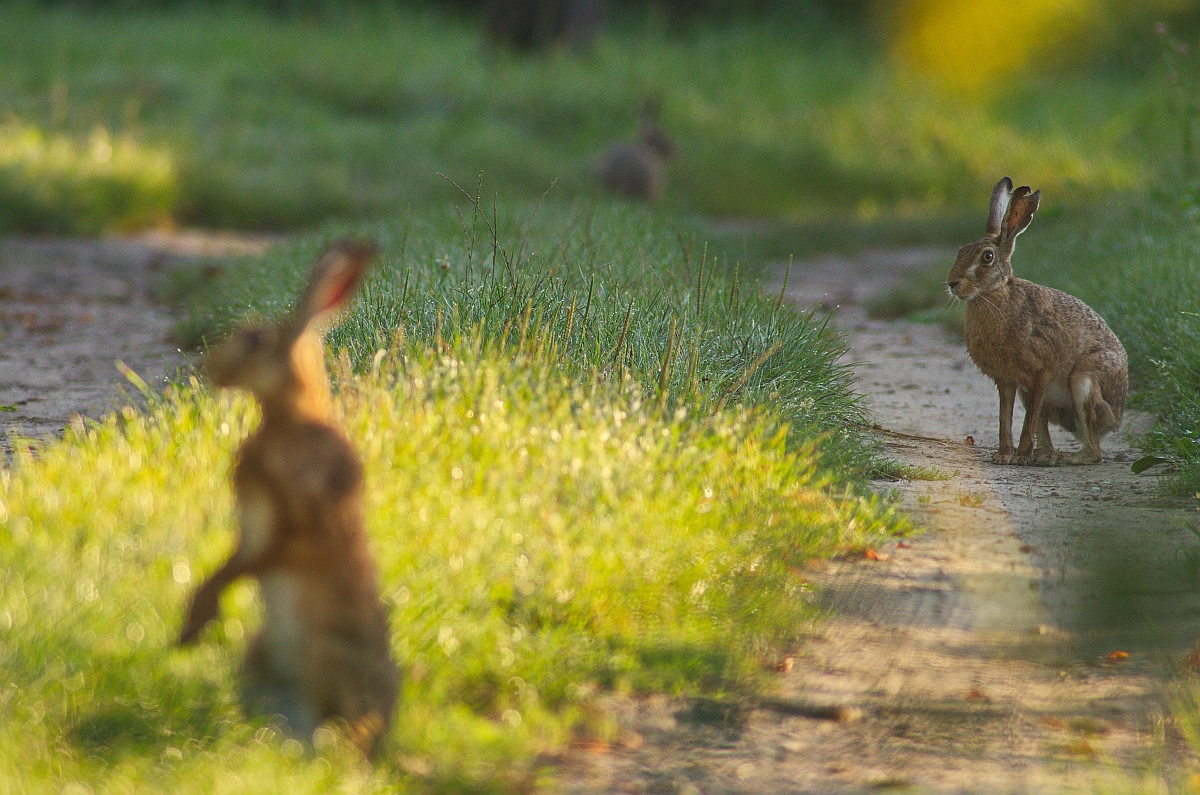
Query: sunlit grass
286	122
543	539
53	182
608	289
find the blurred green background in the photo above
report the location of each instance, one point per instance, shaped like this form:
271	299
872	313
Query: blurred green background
282	115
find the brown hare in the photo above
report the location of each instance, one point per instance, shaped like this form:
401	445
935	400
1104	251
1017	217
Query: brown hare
323	652
637	169
1042	344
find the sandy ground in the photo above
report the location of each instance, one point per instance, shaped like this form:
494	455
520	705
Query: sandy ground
977	657
70	309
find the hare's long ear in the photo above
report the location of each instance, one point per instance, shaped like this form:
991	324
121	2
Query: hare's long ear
333	279
1020	212
999	206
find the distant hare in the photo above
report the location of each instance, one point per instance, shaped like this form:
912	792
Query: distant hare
1047	346
637	169
324	649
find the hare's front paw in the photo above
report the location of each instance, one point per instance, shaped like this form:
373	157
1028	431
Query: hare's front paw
1003	457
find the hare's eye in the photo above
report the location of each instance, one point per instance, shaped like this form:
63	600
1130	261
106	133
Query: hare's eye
988	256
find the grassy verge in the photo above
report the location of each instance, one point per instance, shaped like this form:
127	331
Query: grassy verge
287	122
60	183
609	289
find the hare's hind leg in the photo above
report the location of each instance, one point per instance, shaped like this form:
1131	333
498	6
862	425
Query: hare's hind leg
356	682
1086	396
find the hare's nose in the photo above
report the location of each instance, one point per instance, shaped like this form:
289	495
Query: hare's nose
953	284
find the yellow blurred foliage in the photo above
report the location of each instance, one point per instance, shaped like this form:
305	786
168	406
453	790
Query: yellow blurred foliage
972	45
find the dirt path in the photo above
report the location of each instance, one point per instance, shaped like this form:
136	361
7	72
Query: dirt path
70	308
976	656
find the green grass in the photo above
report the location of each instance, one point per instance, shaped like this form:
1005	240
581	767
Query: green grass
272	122
544	538
608	288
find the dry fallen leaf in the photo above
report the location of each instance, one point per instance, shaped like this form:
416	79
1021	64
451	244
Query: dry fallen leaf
1053	723
873	554
591	746
969	441
1081	748
1118	657
975	694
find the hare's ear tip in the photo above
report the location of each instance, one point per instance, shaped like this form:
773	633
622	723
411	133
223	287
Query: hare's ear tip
1006	182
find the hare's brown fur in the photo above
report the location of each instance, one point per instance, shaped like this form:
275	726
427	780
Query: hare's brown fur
1042	344
323	652
637	169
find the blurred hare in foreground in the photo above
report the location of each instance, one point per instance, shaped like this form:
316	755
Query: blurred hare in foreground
1042	344
323	652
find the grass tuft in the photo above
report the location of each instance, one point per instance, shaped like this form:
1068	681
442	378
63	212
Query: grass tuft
605	288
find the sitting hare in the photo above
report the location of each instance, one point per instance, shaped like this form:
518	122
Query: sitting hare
637	169
324	649
1047	346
